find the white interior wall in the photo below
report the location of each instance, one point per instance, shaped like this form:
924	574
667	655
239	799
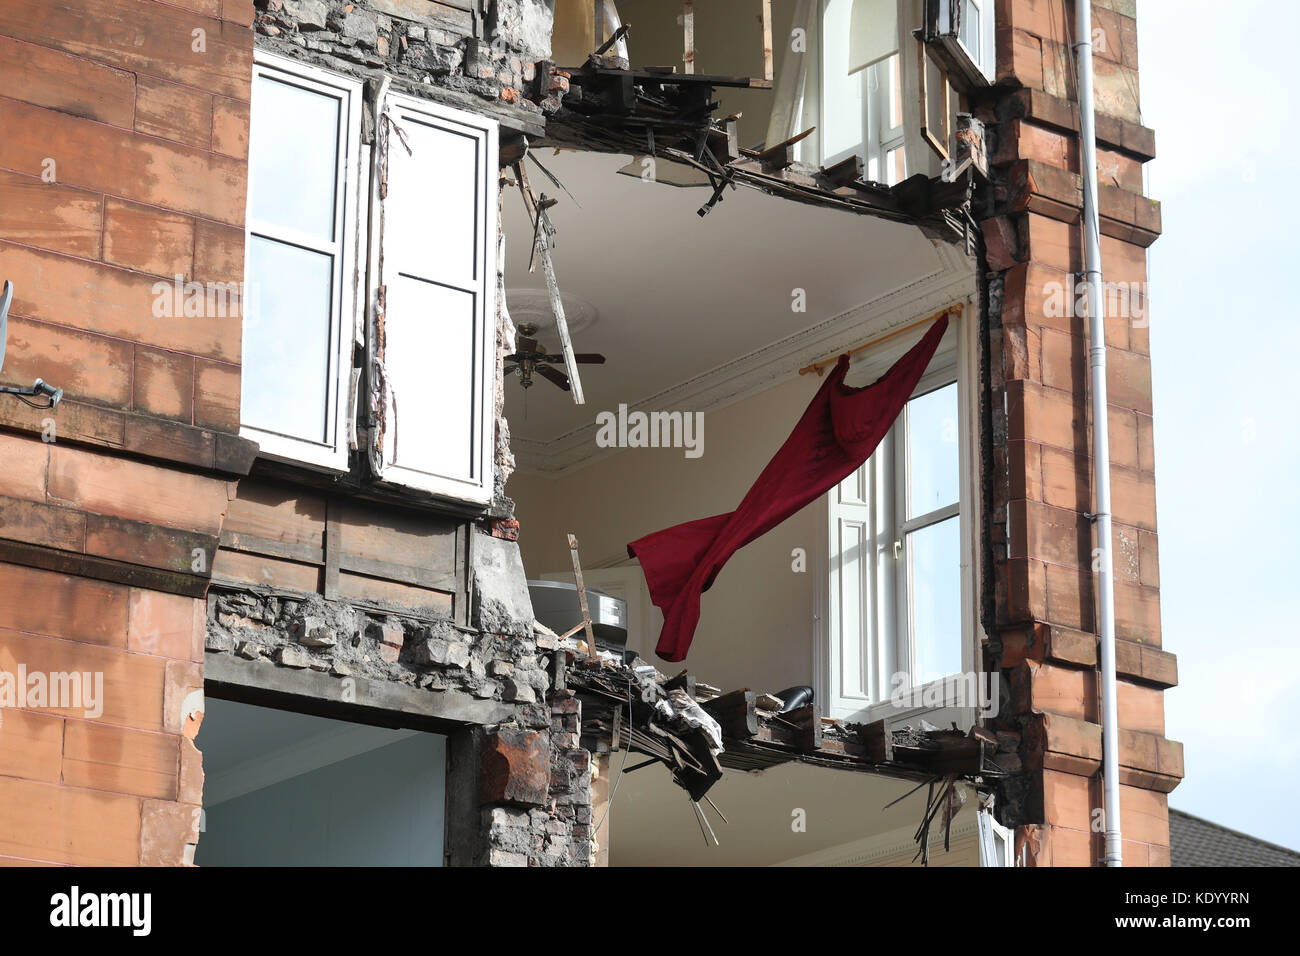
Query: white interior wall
756	622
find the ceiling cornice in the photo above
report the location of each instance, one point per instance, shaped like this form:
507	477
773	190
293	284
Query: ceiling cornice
763	368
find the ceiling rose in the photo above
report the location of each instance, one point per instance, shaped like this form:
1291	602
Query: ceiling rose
533	307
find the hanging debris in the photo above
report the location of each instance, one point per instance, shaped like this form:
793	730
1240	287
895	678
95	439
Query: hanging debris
543	237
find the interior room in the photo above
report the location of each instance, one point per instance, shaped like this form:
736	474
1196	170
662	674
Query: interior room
732	312
290	789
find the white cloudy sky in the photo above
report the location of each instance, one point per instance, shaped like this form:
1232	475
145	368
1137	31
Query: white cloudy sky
1225	343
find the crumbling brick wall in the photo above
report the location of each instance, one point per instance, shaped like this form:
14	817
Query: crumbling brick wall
336	638
531	778
449	47
535	790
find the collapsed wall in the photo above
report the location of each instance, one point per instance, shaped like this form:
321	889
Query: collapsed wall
520	772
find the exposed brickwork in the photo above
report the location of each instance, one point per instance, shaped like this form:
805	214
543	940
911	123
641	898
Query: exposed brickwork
337	638
117	159
439	46
109	781
1045	586
539	814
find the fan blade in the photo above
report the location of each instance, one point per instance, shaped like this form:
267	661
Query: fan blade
589	358
509	369
554	375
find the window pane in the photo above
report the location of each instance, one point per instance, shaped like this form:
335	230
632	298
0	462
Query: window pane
432	366
932	461
841	92
896	166
934	583
896	94
294	158
438	181
856	568
287	339
969	31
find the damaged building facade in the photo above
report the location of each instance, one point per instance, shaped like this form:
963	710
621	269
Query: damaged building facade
296	267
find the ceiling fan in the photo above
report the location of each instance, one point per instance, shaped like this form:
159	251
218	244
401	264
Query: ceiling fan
529	357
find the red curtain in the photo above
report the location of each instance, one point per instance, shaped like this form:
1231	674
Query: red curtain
837	433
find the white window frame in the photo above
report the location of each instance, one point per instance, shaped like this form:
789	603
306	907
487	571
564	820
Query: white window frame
882	137
330	455
878	137
984	57
479	489
886	644
814	100
997	843
899	527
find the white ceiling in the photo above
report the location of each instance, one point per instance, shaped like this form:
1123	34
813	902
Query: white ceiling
676	295
652	823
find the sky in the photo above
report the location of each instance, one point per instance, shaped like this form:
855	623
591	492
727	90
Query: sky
1225	338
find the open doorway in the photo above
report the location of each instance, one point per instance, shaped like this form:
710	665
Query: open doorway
290	789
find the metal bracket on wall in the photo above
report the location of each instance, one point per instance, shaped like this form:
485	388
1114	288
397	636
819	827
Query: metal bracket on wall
23	392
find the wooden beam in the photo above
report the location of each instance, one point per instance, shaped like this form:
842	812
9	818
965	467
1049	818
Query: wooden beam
845	172
818	367
381	702
333	547
682	681
735	712
780	155
766	16
807	721
582	599
688	36
878	742
543	247
776	158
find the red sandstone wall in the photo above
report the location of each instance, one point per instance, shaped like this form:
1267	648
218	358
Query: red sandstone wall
1045	586
122	163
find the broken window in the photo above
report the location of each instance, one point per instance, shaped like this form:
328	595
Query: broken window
299	243
899	586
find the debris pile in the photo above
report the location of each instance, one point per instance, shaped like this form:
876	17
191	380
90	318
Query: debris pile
696	730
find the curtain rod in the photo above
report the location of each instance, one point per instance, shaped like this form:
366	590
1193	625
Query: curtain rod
824	363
